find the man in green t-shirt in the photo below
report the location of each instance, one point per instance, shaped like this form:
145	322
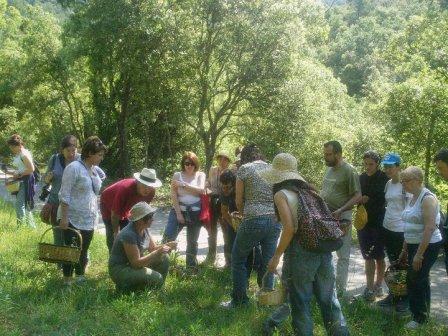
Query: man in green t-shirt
341	190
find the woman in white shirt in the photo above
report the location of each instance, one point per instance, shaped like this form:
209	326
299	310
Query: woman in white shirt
393	225
24	168
422	243
186	189
78	207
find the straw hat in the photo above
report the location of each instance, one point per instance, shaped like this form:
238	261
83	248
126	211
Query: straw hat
223	154
148	177
140	210
284	167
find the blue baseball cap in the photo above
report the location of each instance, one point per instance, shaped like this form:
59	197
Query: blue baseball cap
391	159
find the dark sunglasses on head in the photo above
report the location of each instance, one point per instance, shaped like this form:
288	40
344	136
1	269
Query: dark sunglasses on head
188	163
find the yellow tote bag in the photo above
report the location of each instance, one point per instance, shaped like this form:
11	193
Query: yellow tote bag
360	217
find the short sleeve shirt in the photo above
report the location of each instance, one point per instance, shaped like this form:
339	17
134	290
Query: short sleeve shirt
373	187
120	197
339	185
228	201
258	199
129	236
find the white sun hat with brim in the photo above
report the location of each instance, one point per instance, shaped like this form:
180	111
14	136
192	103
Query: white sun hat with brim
140	210
284	167
148	177
223	154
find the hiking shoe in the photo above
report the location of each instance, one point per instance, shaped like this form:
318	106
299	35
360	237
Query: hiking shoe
368	295
228	305
412	325
80	279
387	301
378	290
68	281
402	306
268	328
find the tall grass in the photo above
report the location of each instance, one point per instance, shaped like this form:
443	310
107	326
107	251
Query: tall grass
33	300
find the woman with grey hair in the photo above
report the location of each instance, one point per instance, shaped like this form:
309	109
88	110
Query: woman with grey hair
422	241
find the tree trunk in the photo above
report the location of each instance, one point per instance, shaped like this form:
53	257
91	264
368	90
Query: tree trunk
122	134
429	140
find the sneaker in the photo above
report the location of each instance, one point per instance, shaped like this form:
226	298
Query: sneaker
68	281
378	290
368	295
402	306
387	301
412	325
268	328
80	279
232	304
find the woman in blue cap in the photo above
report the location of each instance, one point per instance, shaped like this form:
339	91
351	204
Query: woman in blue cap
393	225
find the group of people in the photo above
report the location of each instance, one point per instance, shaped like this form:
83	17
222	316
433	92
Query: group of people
257	207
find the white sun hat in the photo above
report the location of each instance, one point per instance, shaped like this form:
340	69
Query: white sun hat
284	167
148	177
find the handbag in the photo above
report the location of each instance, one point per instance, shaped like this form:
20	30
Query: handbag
45	213
205	214
361	218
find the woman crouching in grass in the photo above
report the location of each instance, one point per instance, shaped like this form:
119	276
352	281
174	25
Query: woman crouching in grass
129	268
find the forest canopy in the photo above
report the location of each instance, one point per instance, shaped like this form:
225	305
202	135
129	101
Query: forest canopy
155	78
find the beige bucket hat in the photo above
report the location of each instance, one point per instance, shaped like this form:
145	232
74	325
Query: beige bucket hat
284	167
140	210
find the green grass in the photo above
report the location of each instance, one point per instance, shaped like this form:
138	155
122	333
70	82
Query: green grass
34	302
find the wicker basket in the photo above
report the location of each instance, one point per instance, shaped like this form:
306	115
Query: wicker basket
236	220
395	278
59	254
13	187
271	297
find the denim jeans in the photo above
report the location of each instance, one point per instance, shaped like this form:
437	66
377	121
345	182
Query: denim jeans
419	291
263	231
153	276
110	231
24	215
193	225
313	273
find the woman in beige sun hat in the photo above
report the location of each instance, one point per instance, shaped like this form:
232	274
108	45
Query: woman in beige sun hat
305	273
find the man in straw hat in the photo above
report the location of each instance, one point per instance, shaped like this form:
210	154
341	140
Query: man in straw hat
117	200
129	268
215	172
305	272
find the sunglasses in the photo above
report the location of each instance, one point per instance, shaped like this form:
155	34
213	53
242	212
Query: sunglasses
188	163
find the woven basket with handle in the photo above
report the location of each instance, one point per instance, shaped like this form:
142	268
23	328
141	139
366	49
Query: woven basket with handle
395	278
271	297
59	254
